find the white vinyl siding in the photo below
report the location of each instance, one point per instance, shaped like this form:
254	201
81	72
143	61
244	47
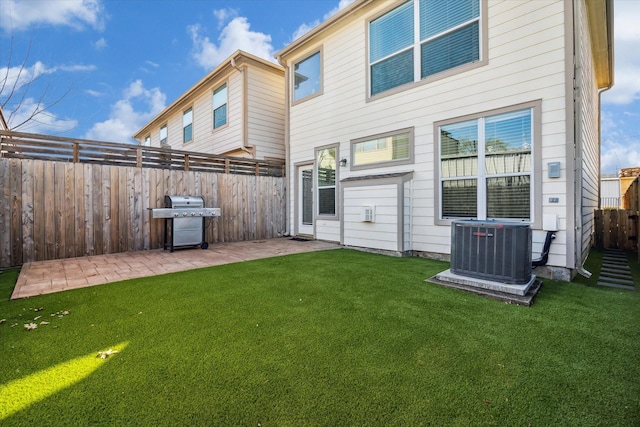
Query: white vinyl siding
255	117
265	114
526	64
382	233
588	134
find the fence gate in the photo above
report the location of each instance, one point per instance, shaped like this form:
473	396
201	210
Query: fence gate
616	228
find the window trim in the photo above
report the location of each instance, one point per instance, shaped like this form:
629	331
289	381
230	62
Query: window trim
213	121
319	50
316	203
147	141
536	155
405	161
184	112
484	60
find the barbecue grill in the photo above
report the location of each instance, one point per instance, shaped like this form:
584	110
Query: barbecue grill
184	216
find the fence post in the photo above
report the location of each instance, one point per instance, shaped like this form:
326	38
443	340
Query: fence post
76	152
139	157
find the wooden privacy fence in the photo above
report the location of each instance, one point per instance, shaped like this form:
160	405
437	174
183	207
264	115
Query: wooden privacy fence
616	228
42	147
53	209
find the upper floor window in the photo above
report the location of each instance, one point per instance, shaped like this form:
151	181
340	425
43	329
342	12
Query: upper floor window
486	167
403	49
147	141
387	149
220	106
163	135
307	77
187	126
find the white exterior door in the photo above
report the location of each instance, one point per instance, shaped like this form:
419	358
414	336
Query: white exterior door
305	200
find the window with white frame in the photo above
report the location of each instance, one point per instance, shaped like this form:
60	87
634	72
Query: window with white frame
486	167
421	38
147	141
220	106
187	126
307	77
393	148
163	135
326	161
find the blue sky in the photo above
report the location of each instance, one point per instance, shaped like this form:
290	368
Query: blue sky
115	64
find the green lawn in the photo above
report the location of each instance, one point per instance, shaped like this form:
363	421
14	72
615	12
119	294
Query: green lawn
328	338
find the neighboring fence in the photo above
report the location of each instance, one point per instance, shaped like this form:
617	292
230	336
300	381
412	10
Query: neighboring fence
616	228
56	209
41	147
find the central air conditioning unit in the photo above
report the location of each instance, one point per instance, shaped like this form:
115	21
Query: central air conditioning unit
498	251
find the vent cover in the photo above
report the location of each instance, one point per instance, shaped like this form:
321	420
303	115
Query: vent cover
492	250
368	214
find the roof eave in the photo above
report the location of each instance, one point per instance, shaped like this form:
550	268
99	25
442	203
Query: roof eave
600	17
319	29
224	67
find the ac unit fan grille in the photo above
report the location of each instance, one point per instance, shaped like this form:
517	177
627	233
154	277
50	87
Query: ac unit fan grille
492	250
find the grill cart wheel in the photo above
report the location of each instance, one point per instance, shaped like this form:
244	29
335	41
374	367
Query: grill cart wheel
204	245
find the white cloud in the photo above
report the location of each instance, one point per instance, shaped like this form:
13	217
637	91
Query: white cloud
235	35
137	106
35	119
13	79
153	64
305	28
101	43
626	87
620	149
92	92
223	15
21	14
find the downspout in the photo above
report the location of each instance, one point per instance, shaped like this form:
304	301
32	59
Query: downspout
577	144
245	99
287	151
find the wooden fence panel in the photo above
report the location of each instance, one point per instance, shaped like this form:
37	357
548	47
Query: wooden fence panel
616	228
53	210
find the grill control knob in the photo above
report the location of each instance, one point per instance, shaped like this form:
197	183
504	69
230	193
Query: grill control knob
184	214
175	214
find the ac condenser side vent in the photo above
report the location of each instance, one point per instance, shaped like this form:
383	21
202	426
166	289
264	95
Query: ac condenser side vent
491	250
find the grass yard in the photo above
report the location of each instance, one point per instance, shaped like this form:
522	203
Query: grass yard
328	338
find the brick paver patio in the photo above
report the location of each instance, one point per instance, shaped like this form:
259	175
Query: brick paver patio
43	277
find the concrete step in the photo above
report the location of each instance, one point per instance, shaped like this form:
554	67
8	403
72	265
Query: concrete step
615	285
616	274
628	281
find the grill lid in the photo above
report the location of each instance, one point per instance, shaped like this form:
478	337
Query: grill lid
175	201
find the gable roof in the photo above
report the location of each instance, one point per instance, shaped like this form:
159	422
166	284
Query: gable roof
319	29
226	66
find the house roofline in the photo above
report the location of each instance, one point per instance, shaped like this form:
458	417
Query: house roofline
225	66
600	17
311	34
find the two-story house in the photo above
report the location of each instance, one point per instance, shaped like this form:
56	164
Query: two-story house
406	115
236	110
